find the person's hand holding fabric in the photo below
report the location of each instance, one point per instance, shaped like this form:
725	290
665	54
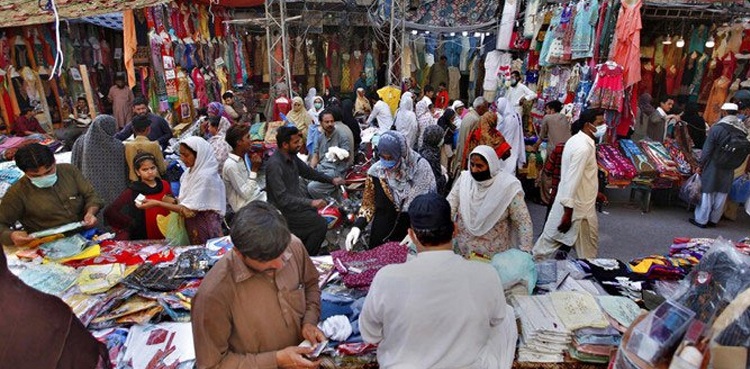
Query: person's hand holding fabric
311	333
89	220
352	238
291	357
21	238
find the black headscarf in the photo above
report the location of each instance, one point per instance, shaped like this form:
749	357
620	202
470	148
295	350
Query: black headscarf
695	123
347	117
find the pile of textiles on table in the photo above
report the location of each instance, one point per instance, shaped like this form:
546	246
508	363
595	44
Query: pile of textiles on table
10	144
684	164
619	170
9	174
641	162
135	296
659	156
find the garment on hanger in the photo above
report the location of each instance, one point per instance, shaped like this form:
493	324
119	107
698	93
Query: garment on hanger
585	22
627	51
608	89
716	99
698	39
507	20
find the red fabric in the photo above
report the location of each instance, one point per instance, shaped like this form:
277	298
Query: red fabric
24	124
281	105
441	102
358	269
152	228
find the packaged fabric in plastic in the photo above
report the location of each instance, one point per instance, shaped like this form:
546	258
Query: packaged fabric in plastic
659	155
64	247
690	191
722	274
192	263
515	266
731	335
640	161
619	170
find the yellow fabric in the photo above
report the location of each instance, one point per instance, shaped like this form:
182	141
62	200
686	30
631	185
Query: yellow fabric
87	253
391	96
644	266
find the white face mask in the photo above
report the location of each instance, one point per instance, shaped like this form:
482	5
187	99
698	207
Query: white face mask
600	131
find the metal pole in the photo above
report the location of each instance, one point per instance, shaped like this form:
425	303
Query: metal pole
285	47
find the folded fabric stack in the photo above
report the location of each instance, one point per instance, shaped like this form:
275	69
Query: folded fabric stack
594	345
619	170
658	154
683	163
641	162
9	174
658	267
544	337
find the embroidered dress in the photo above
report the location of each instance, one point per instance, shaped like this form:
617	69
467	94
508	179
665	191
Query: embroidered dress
584	23
608	91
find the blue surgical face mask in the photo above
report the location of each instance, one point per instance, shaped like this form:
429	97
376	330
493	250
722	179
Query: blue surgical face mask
45	181
742	116
388	164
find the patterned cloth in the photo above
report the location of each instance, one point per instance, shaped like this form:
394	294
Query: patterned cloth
204	226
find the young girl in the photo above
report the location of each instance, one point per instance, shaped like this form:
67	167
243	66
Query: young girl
130	222
202	199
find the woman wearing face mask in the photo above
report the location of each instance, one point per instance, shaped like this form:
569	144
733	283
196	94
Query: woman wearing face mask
47	196
313	131
392	183
489	208
299	116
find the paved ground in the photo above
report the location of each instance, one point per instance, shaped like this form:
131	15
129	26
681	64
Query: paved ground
626	233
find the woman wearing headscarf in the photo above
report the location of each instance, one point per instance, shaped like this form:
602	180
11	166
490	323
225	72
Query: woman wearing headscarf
362	106
40	330
486	133
406	120
696	125
448	123
202	200
509	125
101	158
489	207
347	107
299	116
645	110
314	132
216	109
392	183
424	119
311	94
432	144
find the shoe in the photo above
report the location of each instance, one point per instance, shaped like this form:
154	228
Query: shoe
711	225
693	222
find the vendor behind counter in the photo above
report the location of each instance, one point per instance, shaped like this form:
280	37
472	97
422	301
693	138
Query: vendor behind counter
47	196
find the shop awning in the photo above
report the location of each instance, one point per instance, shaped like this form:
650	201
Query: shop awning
15	13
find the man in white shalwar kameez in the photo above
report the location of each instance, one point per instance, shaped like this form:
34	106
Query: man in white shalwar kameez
509	124
573	221
438	309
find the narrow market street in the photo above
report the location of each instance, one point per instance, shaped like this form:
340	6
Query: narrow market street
626	233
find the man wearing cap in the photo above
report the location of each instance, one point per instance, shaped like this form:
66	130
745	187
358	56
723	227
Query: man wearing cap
716	181
438	291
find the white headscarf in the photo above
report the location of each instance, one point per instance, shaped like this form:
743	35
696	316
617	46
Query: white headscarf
309	99
314	113
406	120
509	124
481	204
424	119
201	188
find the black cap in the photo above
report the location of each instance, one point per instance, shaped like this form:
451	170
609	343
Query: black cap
430	212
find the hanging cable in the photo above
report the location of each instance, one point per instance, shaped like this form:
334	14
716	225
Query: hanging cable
59	57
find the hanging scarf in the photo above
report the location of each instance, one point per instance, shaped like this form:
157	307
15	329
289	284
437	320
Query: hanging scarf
410	178
483	203
101	158
201	188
